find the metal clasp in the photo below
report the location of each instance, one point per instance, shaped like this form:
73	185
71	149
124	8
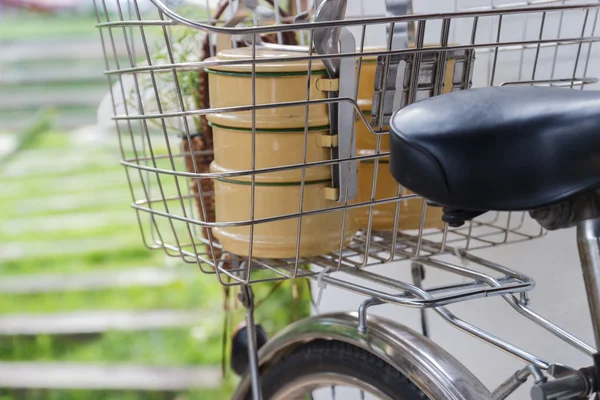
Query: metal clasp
327	141
328	85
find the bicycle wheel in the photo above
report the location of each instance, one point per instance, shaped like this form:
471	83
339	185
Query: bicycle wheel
335	370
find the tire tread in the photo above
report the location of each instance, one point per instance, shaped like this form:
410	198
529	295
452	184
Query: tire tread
344	358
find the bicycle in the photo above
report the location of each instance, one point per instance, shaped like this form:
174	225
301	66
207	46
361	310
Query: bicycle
435	84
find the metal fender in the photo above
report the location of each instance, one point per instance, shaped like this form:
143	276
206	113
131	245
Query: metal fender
432	369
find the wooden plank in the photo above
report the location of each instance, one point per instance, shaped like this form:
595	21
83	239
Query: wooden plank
103	143
33	375
52	76
73	221
48	248
86	98
52	283
67	184
24	165
65	121
94	322
69	49
110	199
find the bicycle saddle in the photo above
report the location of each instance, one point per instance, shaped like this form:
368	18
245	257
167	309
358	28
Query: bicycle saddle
499	148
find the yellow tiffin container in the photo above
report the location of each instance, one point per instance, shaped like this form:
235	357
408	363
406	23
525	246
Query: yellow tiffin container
366	84
366	89
409	210
281	137
276	82
272	148
321	233
365	139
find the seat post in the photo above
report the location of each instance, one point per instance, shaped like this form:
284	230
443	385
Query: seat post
588	243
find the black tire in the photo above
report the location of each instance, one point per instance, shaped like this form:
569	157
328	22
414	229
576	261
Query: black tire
341	358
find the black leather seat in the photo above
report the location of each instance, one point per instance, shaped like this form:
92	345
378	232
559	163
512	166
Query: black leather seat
499	148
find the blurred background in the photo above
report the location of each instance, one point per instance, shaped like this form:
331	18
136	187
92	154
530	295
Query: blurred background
86	311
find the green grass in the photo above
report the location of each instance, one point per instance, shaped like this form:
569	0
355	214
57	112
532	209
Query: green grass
134	256
113	395
30	26
51	139
184	294
70	110
34	88
30	230
64	204
167	347
43	186
40	124
26	201
199	345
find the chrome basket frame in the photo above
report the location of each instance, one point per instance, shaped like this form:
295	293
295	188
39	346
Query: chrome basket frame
167	217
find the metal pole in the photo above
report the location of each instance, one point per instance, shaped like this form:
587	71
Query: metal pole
588	242
418	274
247	299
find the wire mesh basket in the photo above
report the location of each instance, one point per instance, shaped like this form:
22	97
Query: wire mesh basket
259	153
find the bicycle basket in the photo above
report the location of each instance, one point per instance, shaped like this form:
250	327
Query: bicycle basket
247	156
